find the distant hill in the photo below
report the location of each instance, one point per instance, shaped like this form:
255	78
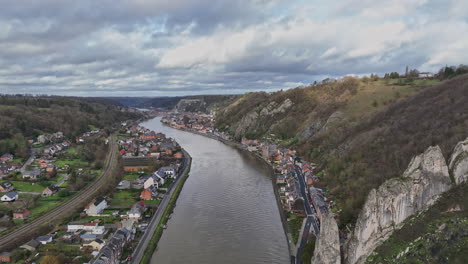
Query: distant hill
210	102
361	131
24	117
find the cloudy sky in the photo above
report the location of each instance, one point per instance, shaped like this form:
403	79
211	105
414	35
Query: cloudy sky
174	47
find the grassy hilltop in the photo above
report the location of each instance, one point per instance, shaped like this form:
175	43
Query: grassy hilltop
361	131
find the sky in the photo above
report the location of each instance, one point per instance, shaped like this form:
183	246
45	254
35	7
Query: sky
182	47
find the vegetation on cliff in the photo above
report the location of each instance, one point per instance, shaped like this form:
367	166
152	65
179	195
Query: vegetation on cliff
363	131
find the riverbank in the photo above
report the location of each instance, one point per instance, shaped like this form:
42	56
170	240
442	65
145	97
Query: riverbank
144	252
291	245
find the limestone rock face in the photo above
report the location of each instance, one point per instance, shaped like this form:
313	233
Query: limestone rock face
459	162
250	121
394	201
247	122
327	247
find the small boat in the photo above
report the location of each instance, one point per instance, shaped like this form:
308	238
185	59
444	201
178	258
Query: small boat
164	226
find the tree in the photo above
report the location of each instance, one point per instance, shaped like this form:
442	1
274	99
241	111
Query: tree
63	193
50	260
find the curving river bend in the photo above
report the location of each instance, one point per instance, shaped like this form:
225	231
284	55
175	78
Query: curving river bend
226	212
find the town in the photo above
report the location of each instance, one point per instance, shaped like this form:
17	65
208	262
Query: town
303	200
109	228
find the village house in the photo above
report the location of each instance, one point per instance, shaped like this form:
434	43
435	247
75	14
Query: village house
96	206
6	187
153	181
280	179
32	245
92	228
166	171
41	139
135	164
123	185
9	197
5	257
32	175
87	237
49	191
6	158
96	245
50	167
136	211
21	214
44	239
112	252
146	194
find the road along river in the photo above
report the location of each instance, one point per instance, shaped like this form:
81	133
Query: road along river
226	212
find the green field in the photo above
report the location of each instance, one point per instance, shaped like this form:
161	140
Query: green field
124	198
72	151
27	186
153	202
44	205
295	225
72	163
132	176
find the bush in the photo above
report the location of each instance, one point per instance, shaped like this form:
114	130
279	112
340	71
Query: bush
63	193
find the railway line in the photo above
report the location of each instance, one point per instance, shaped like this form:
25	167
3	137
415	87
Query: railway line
28	231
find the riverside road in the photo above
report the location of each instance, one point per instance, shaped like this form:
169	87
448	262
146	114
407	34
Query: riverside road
311	215
145	239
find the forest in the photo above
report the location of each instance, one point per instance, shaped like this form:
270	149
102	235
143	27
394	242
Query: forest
23	118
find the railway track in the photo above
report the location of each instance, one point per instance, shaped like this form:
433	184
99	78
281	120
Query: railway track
27	231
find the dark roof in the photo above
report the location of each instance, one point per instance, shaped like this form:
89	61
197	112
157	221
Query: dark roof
138	161
6	185
98	200
53	188
44	238
32	243
11	194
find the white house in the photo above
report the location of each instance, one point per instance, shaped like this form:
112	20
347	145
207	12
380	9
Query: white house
153	180
92	228
96	206
167	171
136	211
9	197
44	239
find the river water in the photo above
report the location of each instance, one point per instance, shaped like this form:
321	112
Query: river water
226	212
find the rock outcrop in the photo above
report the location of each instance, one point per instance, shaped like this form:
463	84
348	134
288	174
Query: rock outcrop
327	247
459	162
386	208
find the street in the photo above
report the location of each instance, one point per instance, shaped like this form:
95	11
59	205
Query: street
146	237
310	211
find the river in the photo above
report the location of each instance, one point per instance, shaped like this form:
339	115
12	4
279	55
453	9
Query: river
226	212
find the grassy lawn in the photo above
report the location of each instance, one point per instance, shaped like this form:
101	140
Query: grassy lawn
124	198
295	225
132	176
44	205
72	163
72	151
27	186
18	160
153	202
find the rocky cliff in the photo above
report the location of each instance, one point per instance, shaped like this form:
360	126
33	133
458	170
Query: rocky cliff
327	247
386	208
459	162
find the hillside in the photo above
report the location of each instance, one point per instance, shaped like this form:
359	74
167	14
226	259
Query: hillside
23	118
361	131
210	101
